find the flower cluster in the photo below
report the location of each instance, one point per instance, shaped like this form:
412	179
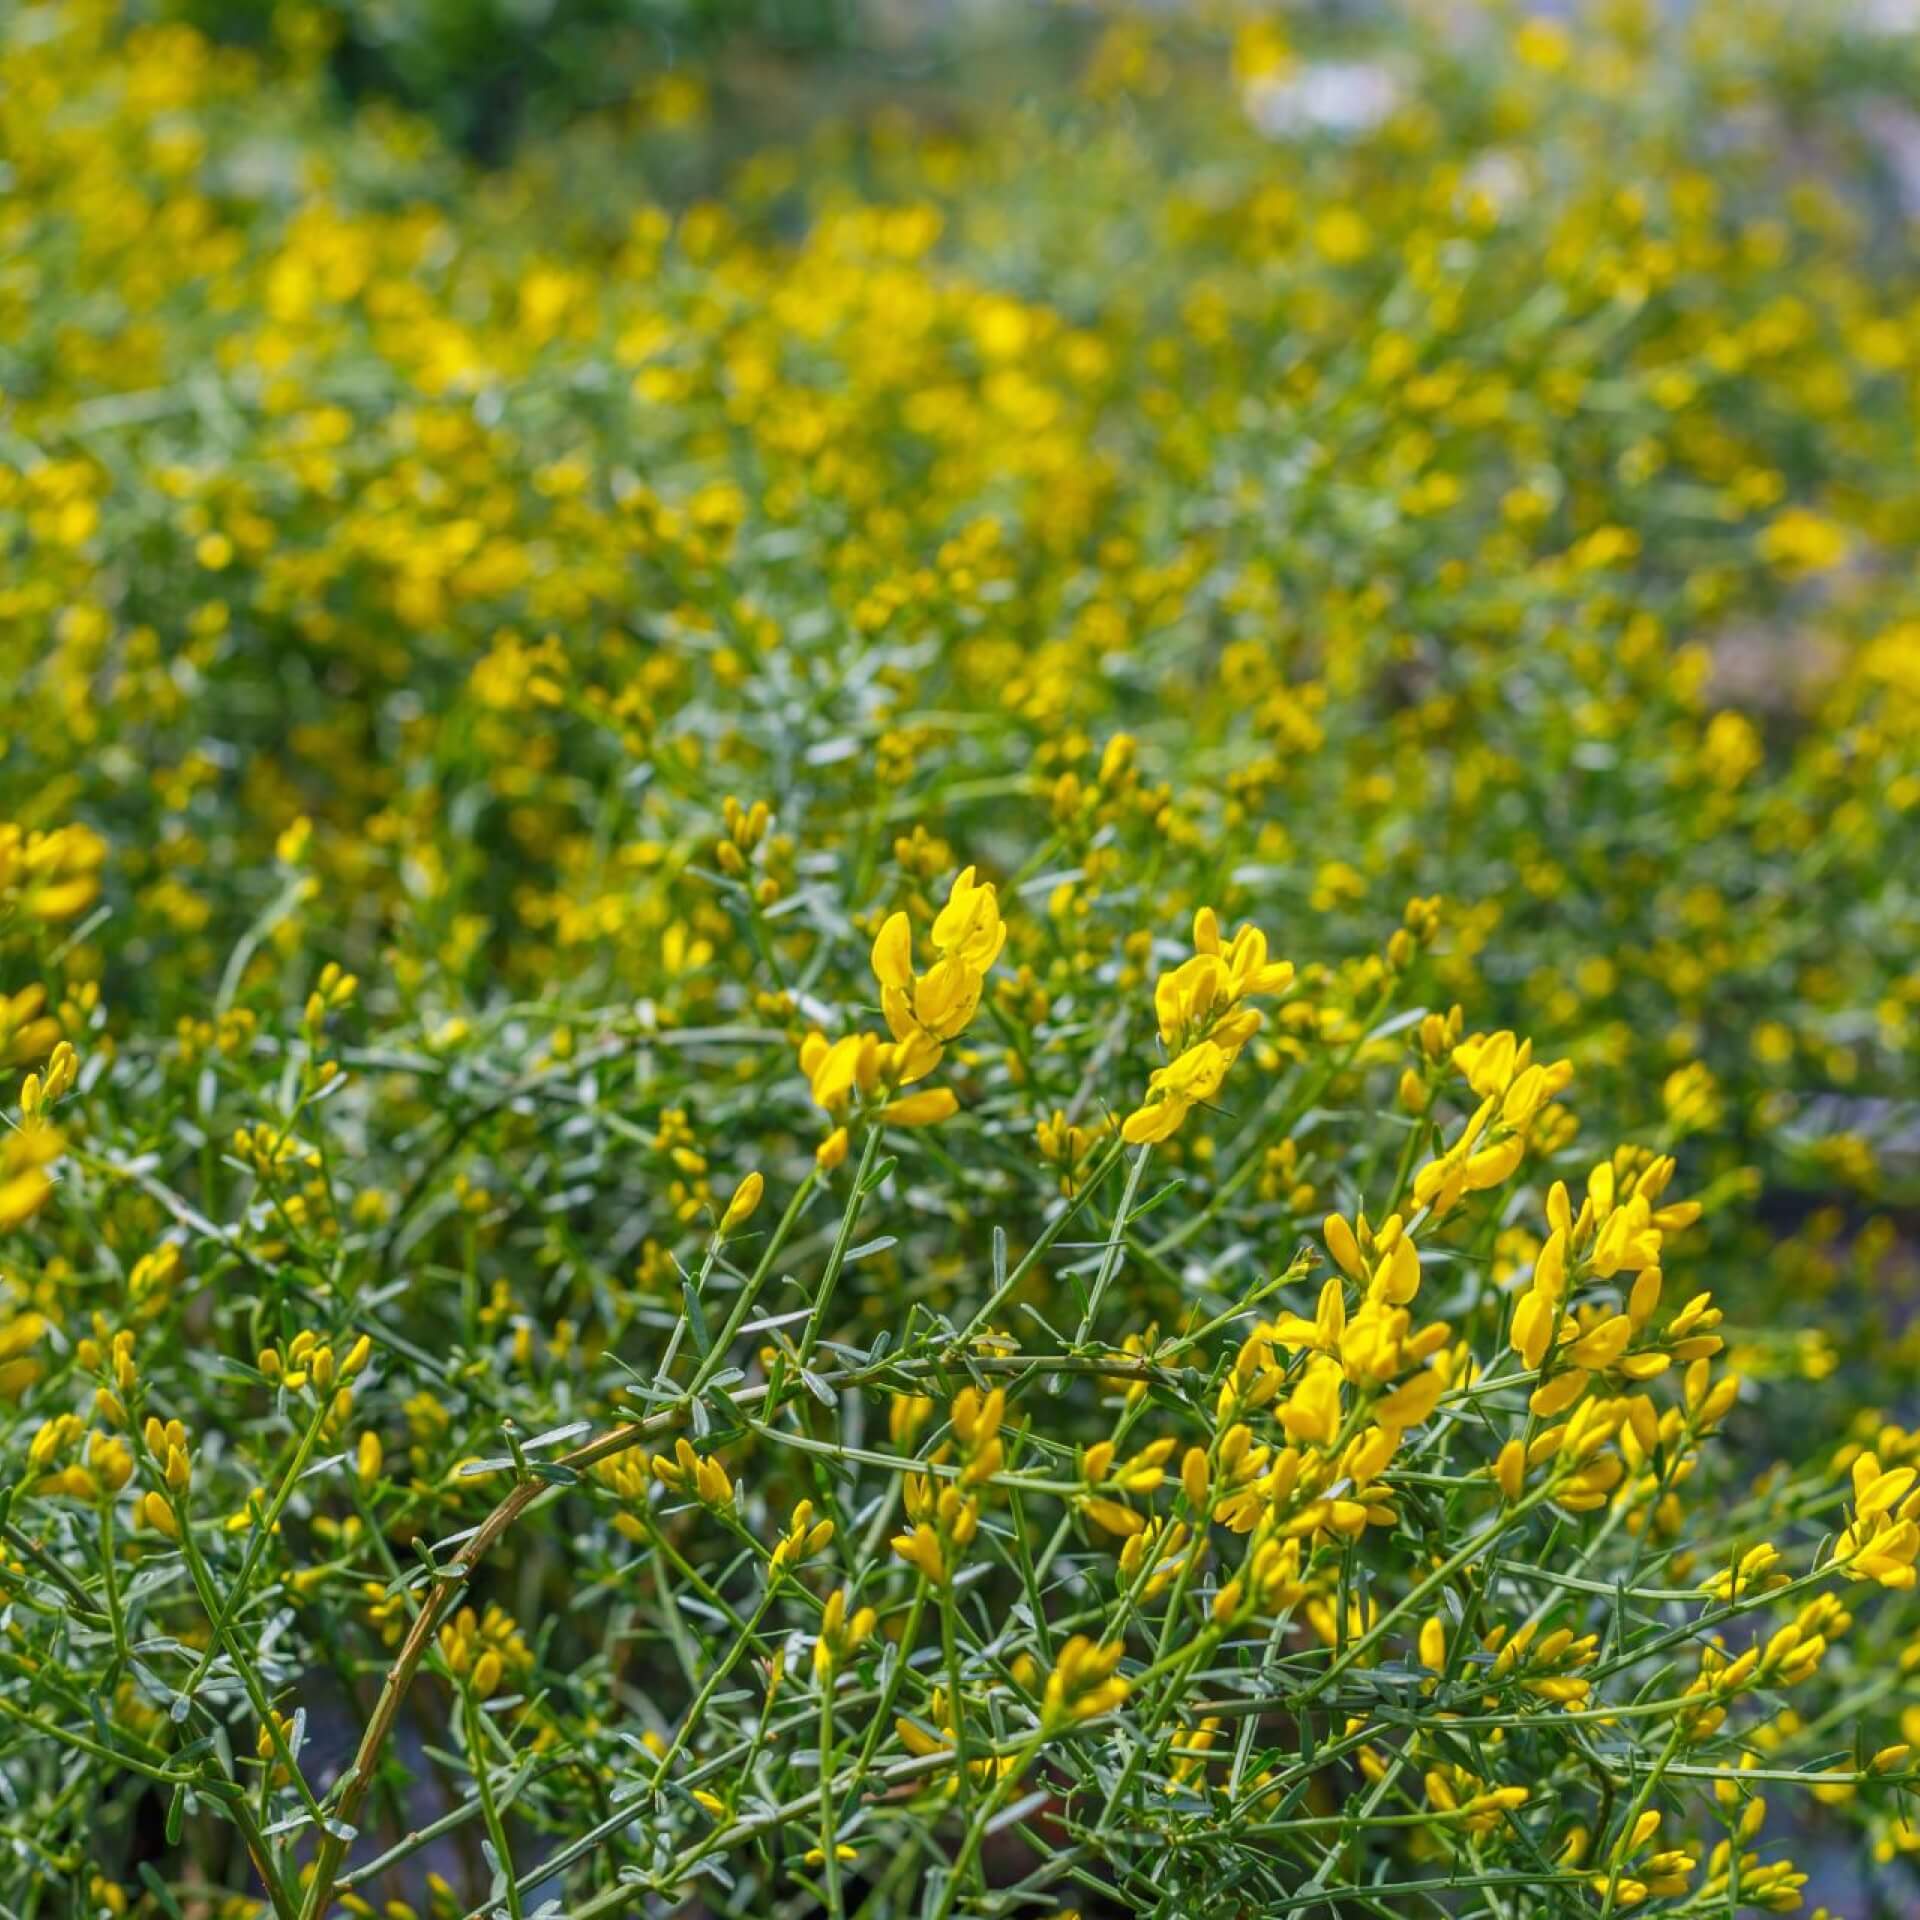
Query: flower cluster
1204	1023
925	1013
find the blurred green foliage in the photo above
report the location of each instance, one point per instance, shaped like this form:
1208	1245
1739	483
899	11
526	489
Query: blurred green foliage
488	72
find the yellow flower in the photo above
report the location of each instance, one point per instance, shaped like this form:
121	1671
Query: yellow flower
1173	1091
740	1209
1204	1023
1083	1682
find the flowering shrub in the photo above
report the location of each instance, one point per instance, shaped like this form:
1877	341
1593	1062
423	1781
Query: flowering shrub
1025	1025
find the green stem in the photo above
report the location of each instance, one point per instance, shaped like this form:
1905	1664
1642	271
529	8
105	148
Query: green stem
713	1683
263	1532
1048	1235
111	1587
1116	1242
837	1258
716	1359
983	1818
483	1784
883	1713
829	1826
949	1647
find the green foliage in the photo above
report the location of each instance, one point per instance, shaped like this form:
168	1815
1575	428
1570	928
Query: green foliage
488	72
1013	1012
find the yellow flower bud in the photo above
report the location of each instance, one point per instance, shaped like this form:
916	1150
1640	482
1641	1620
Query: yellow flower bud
740	1209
